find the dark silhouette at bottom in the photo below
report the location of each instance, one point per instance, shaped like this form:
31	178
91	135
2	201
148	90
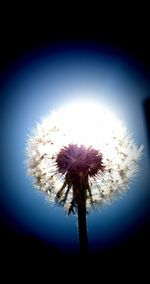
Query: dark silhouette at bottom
82	226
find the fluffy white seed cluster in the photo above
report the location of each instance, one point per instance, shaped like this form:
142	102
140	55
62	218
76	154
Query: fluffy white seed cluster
89	126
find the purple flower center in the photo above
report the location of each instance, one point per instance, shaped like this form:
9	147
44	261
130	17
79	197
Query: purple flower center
79	161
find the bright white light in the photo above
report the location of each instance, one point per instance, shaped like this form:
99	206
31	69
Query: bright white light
86	123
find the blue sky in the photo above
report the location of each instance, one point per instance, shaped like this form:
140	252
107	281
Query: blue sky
45	80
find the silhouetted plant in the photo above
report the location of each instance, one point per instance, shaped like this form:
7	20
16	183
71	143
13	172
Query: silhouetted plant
82	156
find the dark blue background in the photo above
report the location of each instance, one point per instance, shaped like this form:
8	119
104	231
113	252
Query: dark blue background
39	75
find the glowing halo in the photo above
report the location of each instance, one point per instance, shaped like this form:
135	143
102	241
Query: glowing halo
90	125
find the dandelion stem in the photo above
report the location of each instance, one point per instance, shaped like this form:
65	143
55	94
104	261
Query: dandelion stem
82	225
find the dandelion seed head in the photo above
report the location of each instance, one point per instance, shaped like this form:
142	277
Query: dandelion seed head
85	142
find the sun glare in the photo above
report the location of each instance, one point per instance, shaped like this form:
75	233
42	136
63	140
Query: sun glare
87	123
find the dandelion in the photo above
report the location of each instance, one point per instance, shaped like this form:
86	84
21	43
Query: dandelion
82	156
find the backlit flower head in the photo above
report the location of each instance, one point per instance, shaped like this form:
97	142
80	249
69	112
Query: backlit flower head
82	146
